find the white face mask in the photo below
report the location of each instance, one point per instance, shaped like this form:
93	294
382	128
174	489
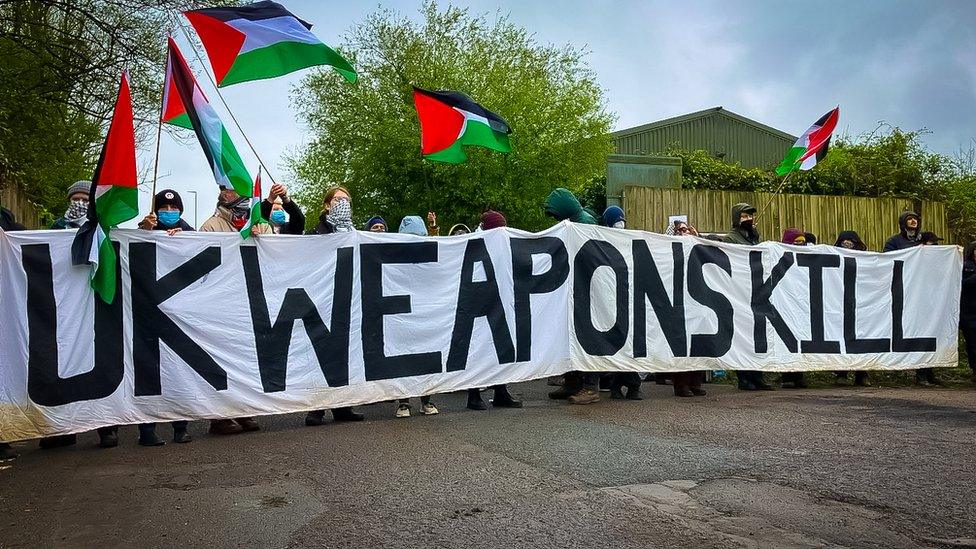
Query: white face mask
620	225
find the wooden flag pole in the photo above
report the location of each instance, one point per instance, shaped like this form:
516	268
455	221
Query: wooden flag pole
213	81
778	189
159	131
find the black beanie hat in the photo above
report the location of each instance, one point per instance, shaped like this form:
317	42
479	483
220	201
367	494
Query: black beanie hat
168	197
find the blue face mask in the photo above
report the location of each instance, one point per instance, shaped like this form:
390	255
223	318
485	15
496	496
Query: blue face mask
278	216
169	218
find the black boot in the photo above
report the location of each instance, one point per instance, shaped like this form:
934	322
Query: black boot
148	437
7	453
58	441
347	414
616	392
504	399
634	393
475	402
108	437
315	418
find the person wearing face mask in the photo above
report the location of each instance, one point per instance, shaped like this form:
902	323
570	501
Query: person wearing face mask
168	208
503	399
413	224
233	211
850	240
458	230
283	213
744	232
376	224
686	384
910	234
613	217
74	217
167	215
77	211
336	217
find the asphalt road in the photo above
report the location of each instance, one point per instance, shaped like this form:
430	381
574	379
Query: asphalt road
811	468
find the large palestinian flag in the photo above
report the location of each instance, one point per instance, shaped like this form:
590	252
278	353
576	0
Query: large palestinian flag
812	146
113	198
449	120
261	40
226	163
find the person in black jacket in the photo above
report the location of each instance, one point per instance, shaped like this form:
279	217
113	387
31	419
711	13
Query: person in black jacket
284	215
967	305
167	215
910	234
850	240
336	217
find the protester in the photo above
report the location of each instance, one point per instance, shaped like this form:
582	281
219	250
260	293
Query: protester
851	241
432	228
413	224
687	384
336	217
166	216
233	212
795	380
967	305
744	232
458	230
503	399
910	234
930	239
283	213
578	387
926	376
376	224
74	217
613	217
811	238
77	211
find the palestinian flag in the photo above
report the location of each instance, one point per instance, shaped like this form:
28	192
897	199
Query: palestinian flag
261	40
255	217
113	198
449	120
173	111
228	168
812	146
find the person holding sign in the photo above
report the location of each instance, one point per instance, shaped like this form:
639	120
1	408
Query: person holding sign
795	237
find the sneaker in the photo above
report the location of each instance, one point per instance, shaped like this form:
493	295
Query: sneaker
429	409
347	414
585	396
248	424
402	410
504	399
224	427
7	452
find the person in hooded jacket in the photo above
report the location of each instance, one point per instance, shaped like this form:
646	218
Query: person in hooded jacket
376	224
578	387
910	234
613	217
744	232
491	219
795	237
850	240
967	305
77	212
336	217
413	224
166	216
283	213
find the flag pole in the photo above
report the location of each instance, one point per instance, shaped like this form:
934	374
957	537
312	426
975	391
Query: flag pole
773	195
196	54
159	131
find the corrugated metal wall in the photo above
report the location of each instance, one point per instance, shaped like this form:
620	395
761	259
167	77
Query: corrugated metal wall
716	133
875	219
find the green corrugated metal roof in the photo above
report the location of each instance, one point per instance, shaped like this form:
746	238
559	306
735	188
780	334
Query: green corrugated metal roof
702	114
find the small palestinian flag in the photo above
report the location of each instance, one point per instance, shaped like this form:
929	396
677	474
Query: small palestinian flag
255	217
261	40
449	120
812	146
113	198
225	161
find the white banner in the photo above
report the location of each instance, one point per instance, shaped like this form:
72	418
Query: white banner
208	326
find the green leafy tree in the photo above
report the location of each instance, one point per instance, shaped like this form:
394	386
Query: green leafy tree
367	137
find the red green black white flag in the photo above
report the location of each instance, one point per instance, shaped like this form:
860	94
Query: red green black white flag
450	120
255	216
261	40
113	198
225	161
812	146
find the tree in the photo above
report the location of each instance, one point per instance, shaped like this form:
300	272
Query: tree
366	136
60	74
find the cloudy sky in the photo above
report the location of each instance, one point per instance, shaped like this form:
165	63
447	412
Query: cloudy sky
910	64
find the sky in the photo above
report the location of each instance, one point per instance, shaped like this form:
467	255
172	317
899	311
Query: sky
910	64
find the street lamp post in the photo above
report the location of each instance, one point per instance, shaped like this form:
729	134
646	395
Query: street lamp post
194	193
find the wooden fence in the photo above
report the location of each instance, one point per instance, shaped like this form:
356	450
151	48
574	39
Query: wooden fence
25	211
874	219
